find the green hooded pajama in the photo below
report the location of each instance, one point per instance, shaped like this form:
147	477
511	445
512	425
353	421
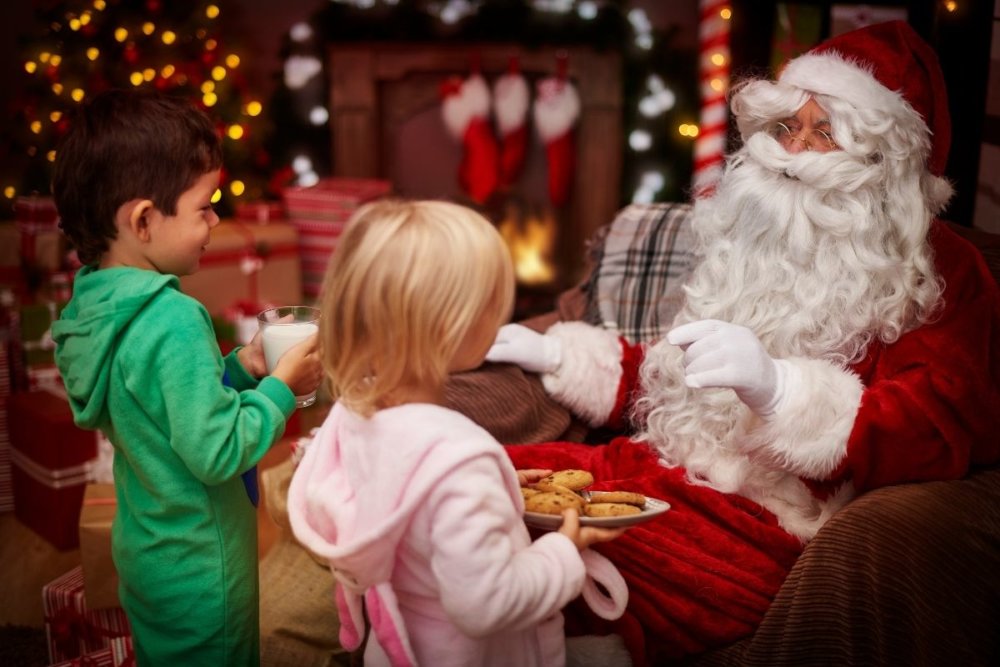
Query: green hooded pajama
140	362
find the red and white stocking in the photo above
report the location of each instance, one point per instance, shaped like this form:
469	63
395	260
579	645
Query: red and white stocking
465	107
511	98
556	110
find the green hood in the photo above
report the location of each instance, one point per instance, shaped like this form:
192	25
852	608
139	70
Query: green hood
104	304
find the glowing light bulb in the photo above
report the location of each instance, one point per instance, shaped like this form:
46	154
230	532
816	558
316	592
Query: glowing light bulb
212	11
148	28
168	37
208	87
232	61
218	72
135	78
93	53
77	94
121	34
235	132
254	108
209	99
36	126
168	71
726	13
237	188
9	192
216	196
31	67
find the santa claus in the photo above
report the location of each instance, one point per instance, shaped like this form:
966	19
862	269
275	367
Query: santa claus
836	337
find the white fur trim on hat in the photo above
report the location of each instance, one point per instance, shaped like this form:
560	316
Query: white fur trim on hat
511	98
808	434
832	74
587	380
471	101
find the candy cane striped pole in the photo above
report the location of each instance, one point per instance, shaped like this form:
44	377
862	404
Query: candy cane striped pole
713	70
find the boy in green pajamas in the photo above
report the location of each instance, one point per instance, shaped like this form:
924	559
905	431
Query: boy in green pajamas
133	183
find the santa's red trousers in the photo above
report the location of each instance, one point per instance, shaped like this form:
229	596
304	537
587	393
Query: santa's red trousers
699	576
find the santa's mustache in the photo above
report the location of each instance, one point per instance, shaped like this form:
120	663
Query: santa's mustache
833	171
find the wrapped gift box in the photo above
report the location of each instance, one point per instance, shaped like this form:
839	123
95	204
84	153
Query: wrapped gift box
72	629
247	263
41	243
100	578
319	212
34	334
51	462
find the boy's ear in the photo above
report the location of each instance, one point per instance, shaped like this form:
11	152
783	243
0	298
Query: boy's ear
138	217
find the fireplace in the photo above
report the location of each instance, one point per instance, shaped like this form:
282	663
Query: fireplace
386	123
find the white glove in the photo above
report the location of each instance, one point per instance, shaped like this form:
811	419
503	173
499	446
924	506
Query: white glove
532	351
720	354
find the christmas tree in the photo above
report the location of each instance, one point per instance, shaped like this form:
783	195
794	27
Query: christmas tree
183	47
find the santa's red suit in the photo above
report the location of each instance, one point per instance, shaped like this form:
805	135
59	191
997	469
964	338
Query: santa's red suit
884	323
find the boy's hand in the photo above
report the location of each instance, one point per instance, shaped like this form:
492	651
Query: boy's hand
584	536
531	475
300	367
252	357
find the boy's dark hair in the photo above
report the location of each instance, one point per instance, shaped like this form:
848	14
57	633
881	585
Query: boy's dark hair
124	145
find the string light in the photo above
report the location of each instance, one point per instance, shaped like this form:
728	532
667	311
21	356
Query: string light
216	196
135	78
235	132
237	188
254	108
212	11
9	192
168	37
148	28
218	72
121	34
232	61
77	94
93	53
951	5
31	67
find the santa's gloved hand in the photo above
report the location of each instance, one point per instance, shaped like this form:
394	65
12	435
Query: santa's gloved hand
532	351
720	354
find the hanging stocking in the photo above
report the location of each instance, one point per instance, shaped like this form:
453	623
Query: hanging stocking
557	108
465	107
510	106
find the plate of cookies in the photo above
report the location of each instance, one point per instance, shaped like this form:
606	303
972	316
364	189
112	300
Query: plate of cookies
545	500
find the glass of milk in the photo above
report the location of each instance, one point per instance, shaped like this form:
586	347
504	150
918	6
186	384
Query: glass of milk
284	327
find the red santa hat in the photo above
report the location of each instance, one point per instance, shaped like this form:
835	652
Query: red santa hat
885	66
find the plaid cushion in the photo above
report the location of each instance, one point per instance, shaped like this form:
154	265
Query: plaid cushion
641	260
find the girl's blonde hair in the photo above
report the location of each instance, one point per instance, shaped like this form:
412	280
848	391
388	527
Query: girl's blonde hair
407	281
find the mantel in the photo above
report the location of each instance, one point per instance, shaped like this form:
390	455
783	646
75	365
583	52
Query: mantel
363	122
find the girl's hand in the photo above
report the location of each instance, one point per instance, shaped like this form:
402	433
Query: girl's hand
584	536
300	367
530	475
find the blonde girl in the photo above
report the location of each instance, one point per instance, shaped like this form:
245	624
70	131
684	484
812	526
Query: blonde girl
416	508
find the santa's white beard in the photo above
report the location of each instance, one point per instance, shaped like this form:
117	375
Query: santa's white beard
800	249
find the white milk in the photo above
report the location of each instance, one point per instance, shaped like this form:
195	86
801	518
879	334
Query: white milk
278	338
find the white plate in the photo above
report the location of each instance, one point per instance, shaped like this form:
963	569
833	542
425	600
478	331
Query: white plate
653	509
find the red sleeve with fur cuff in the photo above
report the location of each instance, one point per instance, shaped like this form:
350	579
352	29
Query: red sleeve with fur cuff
931	405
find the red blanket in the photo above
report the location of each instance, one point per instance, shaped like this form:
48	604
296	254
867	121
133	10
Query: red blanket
700	576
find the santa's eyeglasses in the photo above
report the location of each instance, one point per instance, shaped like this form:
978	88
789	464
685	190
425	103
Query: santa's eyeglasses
814	139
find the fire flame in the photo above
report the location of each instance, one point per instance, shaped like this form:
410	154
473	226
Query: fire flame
530	242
